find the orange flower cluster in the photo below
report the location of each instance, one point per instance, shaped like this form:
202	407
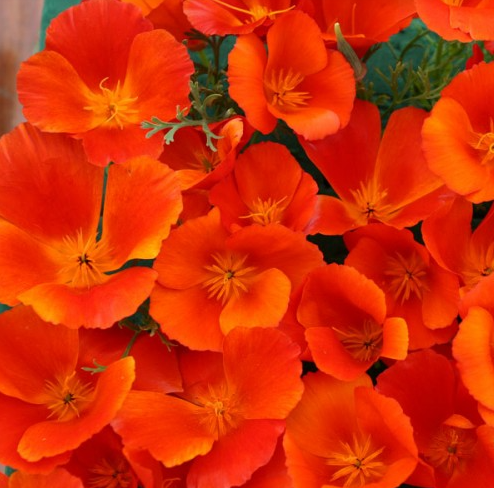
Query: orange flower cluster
172	322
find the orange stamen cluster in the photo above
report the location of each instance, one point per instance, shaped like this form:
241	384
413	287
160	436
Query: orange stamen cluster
364	343
359	463
280	89
229	276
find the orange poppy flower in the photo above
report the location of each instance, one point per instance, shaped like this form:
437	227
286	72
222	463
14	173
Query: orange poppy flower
347	328
458	137
58	478
195	164
458	20
211	282
473	351
100	463
454	445
223	17
230	415
297	80
363	23
416	287
49	404
103	72
267	186
345	434
375	189
471	257
52	255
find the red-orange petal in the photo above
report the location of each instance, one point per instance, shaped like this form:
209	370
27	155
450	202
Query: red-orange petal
142	201
267	380
173	431
50	438
98	306
57	478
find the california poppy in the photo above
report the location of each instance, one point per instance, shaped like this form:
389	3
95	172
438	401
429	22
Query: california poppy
222	17
49	404
297	80
458	20
267	186
452	439
103	72
343	433
52	255
359	23
230	415
366	173
347	326
416	287
211	282
458	135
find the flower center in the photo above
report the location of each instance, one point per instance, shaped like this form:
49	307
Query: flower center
359	463
453	3
112	107
479	264
108	475
406	276
84	262
255	12
206	161
221	413
266	211
229	277
369	199
363	344
67	397
280	89
450	447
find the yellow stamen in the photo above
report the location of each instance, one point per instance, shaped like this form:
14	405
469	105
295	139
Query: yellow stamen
220	410
229	277
84	262
406	276
370	202
112	107
453	3
359	463
280	89
255	12
67	397
266	211
365	343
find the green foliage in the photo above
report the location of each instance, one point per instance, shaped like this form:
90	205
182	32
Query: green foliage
411	69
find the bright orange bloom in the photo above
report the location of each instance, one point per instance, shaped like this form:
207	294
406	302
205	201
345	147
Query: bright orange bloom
347	327
267	186
100	463
297	80
103	72
473	350
195	164
58	478
211	282
375	189
230	415
223	17
455	445
458	137
472	255
344	434
416	287
49	404
363	23
52	255
459	20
